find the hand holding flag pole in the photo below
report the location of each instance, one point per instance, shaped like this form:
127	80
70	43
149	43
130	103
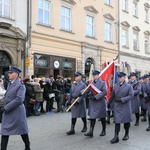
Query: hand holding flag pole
78	98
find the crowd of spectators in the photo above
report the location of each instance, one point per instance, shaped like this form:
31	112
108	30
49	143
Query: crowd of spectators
41	93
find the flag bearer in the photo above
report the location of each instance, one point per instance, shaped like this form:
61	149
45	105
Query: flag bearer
97	104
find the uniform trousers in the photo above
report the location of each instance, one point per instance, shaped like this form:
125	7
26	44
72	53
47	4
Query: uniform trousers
5	138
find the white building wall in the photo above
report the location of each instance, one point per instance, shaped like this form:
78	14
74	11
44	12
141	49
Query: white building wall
138	60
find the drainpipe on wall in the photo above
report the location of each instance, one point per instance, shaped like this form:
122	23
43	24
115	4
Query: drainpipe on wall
119	47
29	33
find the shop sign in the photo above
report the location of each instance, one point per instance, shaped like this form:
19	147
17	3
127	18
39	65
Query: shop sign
56	64
67	64
41	62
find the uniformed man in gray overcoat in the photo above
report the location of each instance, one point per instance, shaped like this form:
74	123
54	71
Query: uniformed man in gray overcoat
142	96
135	102
122	95
14	115
97	104
79	109
148	103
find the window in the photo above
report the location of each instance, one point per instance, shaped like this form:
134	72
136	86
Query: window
5	8
108	2
146	15
124	5
124	38
108	32
135	41
89	26
65	18
44	12
134	9
146	44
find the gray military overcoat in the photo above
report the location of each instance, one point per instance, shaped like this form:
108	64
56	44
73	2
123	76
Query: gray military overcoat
144	94
97	107
135	102
148	94
122	110
14	118
79	109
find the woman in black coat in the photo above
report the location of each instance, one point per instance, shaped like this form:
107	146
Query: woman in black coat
29	95
49	101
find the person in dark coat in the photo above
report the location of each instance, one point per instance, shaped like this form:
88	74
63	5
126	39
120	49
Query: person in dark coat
147	98
122	95
28	96
49	100
79	109
61	88
97	104
142	96
135	102
14	116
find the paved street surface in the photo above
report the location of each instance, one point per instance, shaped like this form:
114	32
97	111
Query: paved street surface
48	132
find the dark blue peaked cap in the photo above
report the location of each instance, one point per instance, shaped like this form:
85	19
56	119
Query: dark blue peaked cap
145	76
77	74
95	72
121	74
14	69
133	74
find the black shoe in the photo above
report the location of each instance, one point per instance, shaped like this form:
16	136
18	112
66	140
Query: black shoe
28	149
136	124
144	120
53	108
115	140
148	129
141	114
84	129
108	121
42	111
103	133
126	137
90	134
71	132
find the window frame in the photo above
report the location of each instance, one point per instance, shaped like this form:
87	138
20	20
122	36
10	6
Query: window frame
126	37
3	10
108	3
49	11
135	10
70	23
136	48
125	3
148	43
93	26
146	19
110	32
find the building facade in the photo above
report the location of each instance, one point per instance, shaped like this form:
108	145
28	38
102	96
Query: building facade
134	31
13	31
69	35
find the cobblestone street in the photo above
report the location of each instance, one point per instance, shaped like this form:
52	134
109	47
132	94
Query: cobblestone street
48	132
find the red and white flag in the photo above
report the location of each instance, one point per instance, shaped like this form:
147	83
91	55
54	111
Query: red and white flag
94	89
108	76
105	63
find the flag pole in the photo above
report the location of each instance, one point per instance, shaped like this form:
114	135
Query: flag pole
78	98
